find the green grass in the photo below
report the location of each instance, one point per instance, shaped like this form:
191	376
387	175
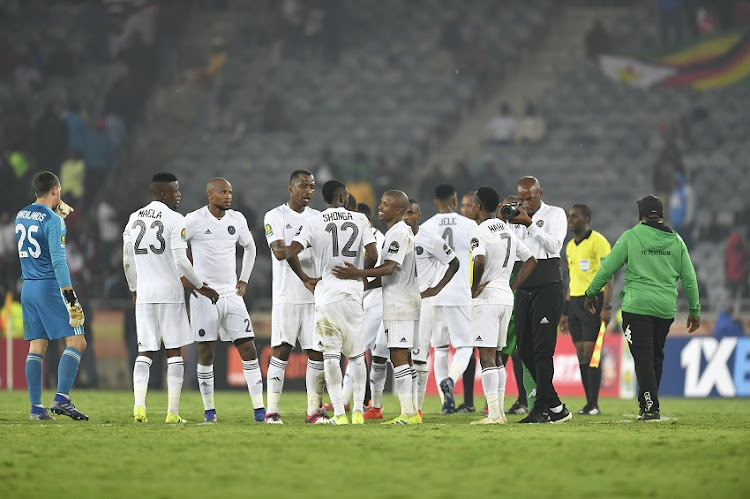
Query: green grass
700	451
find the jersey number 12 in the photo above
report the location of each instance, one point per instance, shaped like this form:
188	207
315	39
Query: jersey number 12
333	229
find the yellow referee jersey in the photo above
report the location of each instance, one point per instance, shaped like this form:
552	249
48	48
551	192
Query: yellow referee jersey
584	259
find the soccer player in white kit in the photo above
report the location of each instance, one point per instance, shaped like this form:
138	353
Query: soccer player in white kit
492	245
293	312
451	314
155	261
338	236
433	254
213	233
401	301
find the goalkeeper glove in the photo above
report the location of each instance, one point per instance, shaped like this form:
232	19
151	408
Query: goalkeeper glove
64	209
74	308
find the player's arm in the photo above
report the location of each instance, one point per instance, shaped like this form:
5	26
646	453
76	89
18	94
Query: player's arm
523	273
293	250
178	239
349	271
449	273
551	241
248	262
606	313
690	286
616	259
278	249
56	244
274	236
476	276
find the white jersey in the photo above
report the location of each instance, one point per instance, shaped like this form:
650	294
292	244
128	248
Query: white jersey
337	236
401	301
154	231
214	246
494	240
283	223
374	297
545	236
456	230
433	254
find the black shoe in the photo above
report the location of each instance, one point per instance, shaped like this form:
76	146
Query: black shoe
517	408
64	407
649	416
584	411
465	408
537	417
560	417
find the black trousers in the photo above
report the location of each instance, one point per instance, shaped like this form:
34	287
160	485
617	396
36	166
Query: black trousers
537	313
646	336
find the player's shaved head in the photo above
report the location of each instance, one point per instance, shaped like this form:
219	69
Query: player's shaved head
297	175
399	198
217	184
530	194
528	183
331	189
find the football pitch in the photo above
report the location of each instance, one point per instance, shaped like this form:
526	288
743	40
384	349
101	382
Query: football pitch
700	449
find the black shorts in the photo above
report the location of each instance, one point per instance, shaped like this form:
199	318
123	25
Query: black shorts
583	325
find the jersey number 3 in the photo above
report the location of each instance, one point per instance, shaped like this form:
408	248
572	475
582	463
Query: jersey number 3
141	226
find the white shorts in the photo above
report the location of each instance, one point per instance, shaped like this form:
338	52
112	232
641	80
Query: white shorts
401	334
380	347
162	322
292	322
373	307
451	325
339	327
421	349
228	320
489	325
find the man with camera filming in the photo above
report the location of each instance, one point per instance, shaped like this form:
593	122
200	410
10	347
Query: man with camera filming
539	299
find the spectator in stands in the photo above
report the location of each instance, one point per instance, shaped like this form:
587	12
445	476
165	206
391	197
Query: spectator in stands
50	137
670	22
667	163
452	41
110	233
97	156
597	41
736	266
705	21
531	127
76	127
211	73
16	170
116	130
72	178
727	324
503	126
140	25
682	207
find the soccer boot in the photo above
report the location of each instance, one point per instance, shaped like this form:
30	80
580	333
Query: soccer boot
536	417
517	408
338	420
273	418
64	407
317	418
139	414
259	414
358	418
374	413
404	420
489	420
560	417
463	408
449	403
650	416
584	411
590	410
174	418
210	416
40	414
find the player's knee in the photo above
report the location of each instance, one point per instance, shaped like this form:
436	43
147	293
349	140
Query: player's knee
282	351
78	342
246	348
379	360
314	355
206	353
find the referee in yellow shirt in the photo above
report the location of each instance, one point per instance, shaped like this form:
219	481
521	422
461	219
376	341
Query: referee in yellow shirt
584	253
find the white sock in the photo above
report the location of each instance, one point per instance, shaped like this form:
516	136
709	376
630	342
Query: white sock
358	371
378	373
422	372
489	385
557	410
414	387
315	382
275	381
332	362
460	360
175	377
251	370
347	390
402	376
206	385
440	366
141	372
502	377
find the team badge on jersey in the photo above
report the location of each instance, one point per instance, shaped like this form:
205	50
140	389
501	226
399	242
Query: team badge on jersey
539	223
447	249
62	240
474	244
231	230
420	250
394	247
269	230
183	234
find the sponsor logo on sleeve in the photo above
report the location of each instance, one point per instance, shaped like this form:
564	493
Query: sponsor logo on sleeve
183	235
447	249
474	244
269	230
394	247
62	240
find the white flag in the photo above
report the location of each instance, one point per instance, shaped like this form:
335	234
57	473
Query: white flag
633	71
